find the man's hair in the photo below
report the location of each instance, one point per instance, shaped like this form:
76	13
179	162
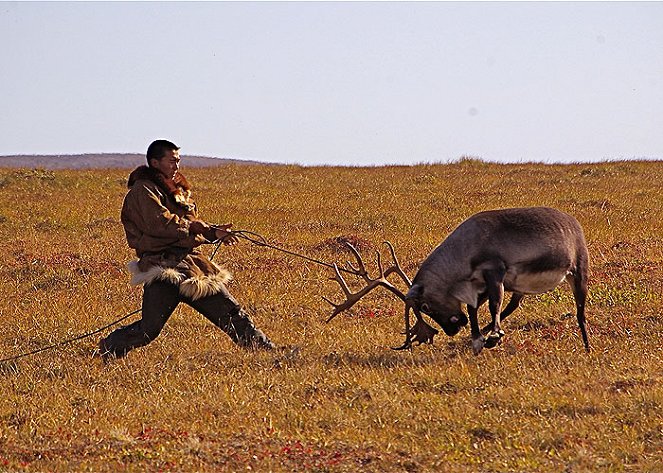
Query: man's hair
158	149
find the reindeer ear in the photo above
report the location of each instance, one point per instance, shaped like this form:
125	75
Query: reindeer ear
414	294
466	292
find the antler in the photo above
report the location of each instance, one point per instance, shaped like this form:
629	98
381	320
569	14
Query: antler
353	297
420	333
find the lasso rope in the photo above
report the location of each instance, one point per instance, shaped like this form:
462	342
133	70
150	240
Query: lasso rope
250	236
71	340
259	240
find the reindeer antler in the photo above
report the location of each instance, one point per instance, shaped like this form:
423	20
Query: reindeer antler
396	268
371	283
420	333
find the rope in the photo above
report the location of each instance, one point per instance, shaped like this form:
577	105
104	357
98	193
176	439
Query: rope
250	236
71	340
259	240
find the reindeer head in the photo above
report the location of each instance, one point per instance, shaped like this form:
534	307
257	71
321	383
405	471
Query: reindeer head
446	311
421	332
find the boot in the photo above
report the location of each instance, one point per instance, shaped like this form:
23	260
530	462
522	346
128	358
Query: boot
243	332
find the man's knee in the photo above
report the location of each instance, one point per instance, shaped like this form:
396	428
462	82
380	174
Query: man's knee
124	339
152	326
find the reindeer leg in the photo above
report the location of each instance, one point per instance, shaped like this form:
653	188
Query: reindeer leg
513	304
579	286
494	286
478	340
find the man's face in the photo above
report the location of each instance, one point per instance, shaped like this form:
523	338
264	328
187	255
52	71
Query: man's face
168	165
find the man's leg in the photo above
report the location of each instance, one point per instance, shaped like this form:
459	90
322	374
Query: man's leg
159	301
224	312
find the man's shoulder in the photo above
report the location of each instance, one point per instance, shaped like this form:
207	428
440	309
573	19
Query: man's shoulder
142	177
141	192
142	185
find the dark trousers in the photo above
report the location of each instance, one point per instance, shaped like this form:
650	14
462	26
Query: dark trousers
160	299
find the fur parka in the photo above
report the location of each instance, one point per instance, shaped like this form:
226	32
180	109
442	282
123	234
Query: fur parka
156	215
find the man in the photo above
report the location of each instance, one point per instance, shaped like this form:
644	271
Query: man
161	223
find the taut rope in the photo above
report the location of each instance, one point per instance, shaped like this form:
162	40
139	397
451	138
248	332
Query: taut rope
259	240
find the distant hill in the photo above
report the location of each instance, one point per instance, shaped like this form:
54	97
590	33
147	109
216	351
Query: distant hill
104	161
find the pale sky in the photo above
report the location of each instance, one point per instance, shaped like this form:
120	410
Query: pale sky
347	83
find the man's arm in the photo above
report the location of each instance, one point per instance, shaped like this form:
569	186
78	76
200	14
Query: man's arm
149	224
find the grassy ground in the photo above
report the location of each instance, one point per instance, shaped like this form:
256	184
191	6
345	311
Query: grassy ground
191	401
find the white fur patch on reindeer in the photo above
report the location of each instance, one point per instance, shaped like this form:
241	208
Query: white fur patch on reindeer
534	283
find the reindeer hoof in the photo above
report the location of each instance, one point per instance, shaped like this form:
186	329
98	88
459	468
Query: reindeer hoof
494	339
405	346
478	344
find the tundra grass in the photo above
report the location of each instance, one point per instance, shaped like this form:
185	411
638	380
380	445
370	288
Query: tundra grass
191	401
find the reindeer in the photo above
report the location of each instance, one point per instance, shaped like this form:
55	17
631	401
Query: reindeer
521	251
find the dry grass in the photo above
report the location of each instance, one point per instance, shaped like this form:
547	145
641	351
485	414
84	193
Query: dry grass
191	401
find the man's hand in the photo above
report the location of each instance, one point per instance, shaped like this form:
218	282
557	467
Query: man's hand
225	234
198	227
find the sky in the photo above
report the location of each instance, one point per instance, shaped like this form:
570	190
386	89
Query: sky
335	83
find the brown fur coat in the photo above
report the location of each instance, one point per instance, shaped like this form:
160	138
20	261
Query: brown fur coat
156	215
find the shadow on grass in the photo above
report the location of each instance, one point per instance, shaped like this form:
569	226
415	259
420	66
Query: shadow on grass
388	359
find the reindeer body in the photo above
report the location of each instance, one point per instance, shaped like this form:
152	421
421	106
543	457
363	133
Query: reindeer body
521	250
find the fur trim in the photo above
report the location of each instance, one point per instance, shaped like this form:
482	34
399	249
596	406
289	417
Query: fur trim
198	287
178	187
194	287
